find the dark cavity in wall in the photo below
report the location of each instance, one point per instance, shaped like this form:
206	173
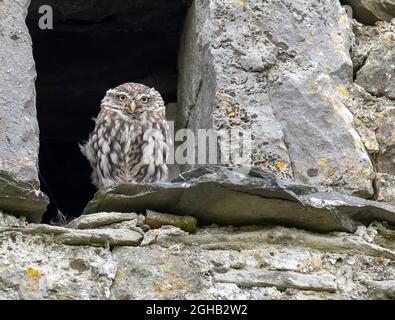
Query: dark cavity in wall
95	45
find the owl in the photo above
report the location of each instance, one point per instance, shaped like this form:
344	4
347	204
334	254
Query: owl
131	140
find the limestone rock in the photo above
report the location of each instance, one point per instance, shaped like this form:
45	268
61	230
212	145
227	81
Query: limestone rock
279	279
154	274
21	198
283	80
100	219
370	11
366	109
222	196
386	137
382	289
19	137
385	185
213	263
107	237
378	72
37	268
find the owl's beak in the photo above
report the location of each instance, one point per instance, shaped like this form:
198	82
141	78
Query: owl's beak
133	106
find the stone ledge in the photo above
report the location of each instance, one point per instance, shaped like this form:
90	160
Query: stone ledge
21	199
94	237
219	195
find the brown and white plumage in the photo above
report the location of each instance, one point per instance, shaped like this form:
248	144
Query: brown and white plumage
131	139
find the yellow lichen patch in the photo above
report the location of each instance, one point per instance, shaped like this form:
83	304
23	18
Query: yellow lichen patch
389	38
280	165
33	273
243	2
175	284
343	91
172	281
323	162
233	112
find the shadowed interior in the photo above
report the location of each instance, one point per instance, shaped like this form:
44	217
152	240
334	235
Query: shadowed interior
92	48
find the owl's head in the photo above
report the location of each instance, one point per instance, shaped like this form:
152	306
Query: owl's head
133	99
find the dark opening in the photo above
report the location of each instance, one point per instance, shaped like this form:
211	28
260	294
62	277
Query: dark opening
94	46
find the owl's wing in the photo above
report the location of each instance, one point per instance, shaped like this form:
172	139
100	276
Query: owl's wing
88	151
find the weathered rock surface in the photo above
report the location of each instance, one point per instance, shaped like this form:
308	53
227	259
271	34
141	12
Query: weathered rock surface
378	72
19	138
279	70
222	196
386	138
366	110
374	116
370	11
213	263
101	219
21	198
385	184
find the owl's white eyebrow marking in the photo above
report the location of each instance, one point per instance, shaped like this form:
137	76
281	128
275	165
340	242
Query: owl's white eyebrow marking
119	93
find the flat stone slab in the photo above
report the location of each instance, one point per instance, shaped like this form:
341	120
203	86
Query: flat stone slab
100	219
225	197
86	237
279	279
21	199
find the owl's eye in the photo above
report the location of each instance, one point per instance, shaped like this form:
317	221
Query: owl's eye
144	99
122	98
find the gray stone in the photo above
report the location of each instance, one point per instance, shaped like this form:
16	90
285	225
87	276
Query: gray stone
283	82
385	185
222	196
89	237
365	38
34	267
386	138
370	11
154	273
382	289
21	198
279	279
101	237
100	219
366	110
19	137
9	220
378	72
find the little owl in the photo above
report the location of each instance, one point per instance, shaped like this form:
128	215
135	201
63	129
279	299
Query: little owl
131	140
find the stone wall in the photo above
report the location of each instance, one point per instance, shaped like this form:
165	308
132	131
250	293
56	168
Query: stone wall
19	135
315	89
112	256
